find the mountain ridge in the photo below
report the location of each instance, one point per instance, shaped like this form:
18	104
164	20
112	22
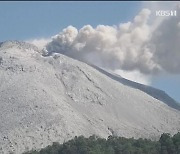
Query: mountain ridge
161	95
146	88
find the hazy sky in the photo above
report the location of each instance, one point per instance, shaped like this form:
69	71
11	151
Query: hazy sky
36	20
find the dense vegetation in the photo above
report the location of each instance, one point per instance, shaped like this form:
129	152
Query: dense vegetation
114	145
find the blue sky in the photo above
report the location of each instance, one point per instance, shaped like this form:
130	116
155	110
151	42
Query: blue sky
30	20
24	20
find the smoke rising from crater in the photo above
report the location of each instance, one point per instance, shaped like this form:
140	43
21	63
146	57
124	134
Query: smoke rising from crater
138	46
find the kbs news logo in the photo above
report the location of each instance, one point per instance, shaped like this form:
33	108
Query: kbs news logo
167	13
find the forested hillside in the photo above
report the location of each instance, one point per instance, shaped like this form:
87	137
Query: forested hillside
114	145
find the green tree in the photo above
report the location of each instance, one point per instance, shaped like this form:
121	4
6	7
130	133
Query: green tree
167	145
176	141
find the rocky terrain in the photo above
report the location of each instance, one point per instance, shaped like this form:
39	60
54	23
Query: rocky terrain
45	99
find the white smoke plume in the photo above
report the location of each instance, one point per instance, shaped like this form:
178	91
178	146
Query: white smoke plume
133	46
135	76
40	43
166	44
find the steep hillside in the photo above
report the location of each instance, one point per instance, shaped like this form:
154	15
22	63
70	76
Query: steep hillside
54	98
156	93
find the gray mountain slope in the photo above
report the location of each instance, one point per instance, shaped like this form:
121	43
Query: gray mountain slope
54	98
156	93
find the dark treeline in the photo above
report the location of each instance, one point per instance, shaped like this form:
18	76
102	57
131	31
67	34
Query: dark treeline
114	145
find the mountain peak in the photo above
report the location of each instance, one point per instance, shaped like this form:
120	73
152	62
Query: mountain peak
18	44
54	98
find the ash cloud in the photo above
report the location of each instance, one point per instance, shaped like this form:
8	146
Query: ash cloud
131	46
166	44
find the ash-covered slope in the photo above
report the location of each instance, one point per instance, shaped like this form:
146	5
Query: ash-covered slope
156	93
54	98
